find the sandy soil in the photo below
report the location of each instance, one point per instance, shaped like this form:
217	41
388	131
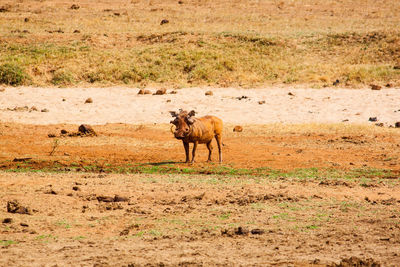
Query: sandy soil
123	105
170	220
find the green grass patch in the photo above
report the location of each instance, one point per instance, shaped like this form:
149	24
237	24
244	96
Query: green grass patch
7	243
13	74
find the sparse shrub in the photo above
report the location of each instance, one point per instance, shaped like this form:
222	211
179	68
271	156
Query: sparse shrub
13	74
62	77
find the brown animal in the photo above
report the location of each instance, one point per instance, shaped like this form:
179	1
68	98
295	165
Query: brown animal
197	131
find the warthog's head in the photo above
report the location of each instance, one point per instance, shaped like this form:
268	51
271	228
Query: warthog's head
183	121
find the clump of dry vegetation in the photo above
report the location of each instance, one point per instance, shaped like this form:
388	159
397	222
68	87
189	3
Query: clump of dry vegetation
219	43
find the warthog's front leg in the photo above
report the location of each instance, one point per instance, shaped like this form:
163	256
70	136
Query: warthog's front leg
186	145
194	151
209	146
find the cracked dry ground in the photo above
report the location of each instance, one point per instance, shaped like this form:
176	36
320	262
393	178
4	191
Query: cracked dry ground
108	219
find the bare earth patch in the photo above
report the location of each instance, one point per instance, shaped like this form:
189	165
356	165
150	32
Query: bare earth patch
196	220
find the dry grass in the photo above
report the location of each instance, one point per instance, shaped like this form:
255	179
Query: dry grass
223	43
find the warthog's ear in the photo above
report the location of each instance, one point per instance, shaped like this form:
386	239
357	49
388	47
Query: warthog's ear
173	114
192	113
175	122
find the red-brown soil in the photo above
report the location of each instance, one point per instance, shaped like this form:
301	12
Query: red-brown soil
106	219
276	146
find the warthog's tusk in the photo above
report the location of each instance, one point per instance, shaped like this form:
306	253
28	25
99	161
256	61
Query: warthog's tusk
171	128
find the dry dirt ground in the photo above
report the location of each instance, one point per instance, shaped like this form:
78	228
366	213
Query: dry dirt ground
181	219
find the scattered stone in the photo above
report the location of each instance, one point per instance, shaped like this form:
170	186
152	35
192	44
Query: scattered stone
77	31
117	14
7	220
257	231
173	92
105	199
63	131
373	119
141	92
76	188
118	198
89	100
21	159
397	67
291	94
44	110
162	91
51	192
51	135
345	120
261	102
124	232
26	19
336	82
144	92
5	8
397	124
375	87
164	21
379	124
242	97
355	261
209	93
238	128
388	85
75	7
86	130
64	99
24	224
15	207
180	2
168	100
241	231
33	108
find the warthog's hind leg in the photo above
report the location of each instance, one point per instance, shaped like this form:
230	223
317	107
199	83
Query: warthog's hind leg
194	151
210	148
219	143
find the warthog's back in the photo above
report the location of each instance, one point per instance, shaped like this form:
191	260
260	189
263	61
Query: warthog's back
205	129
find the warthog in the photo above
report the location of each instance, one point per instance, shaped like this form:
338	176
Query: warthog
197	131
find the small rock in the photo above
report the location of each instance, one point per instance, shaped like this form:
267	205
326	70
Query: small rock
105	199
238	129
89	100
86	129
15	207
373	119
336	82
164	21
388	85
180	2
162	91
375	87
51	135
24	224
147	92
209	93
173	92
7	220
64	100
242	97
75	7
291	94
379	124
76	188
44	110
397	124
77	31
33	108
261	102
397	67
63	131
124	232
26	19
118	198
241	231
257	231
117	14
141	92
168	100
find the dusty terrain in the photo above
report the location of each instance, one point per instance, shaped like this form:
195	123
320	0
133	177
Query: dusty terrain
194	220
320	194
